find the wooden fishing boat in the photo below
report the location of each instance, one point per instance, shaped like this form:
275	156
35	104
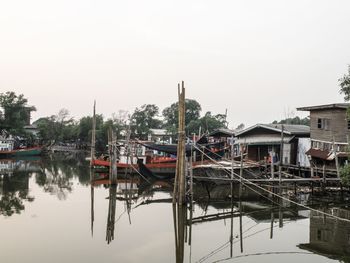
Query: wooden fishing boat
157	160
33	151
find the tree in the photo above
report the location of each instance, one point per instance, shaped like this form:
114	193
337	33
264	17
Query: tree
143	119
60	127
208	123
170	114
295	120
344	84
16	112
240	127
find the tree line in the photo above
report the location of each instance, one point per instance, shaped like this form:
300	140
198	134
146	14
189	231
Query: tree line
61	127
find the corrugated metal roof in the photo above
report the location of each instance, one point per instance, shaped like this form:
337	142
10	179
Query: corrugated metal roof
324	107
263	140
290	129
222	132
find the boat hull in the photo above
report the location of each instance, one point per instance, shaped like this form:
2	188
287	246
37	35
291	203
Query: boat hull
35	151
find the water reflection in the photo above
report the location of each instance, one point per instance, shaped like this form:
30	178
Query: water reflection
222	223
58	171
54	174
111	213
180	222
330	236
14	184
14	191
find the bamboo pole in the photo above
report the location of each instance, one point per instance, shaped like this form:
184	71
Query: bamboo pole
175	191
179	185
181	143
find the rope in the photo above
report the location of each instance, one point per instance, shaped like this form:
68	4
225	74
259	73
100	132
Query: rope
277	195
132	166
266	253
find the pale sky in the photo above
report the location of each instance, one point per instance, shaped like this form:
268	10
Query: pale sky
259	59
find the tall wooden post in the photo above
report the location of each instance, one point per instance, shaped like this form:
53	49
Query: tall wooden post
281	154
179	186
232	159
336	158
114	159
272	154
93	137
282	145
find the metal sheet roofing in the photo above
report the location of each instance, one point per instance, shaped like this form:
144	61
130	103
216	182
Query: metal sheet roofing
324	107
263	140
289	129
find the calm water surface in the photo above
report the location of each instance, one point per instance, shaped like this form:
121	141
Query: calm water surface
49	212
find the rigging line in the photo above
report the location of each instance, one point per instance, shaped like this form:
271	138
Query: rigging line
271	200
266	253
253	234
205	147
279	196
132	166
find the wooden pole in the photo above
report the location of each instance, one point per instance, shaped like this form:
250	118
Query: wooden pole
182	181
272	166
179	186
92	210
336	158
114	158
282	145
231	234
93	135
232	161
241	168
272	221
175	191
324	173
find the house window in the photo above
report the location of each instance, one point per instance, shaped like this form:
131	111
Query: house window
323	124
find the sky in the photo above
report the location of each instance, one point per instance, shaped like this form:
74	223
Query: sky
257	59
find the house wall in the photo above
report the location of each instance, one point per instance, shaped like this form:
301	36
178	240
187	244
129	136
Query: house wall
338	125
257	152
304	144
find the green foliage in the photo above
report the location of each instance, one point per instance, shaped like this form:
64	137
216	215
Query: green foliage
345	174
16	112
59	127
84	129
344	84
170	114
295	120
208	123
144	119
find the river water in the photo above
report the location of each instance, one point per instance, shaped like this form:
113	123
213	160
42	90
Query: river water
49	212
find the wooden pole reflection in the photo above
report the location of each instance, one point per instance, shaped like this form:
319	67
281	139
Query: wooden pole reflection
111	213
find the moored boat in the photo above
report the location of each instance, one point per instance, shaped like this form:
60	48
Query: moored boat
32	151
